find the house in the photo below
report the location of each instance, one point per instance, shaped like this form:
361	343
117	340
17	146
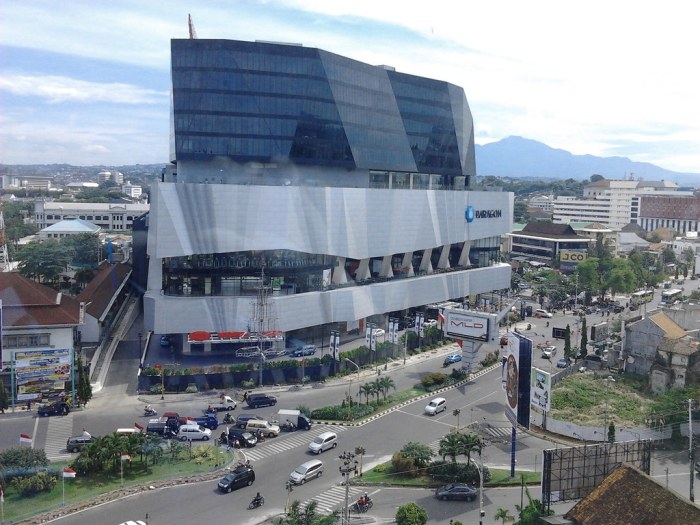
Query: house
627	496
677	361
103	296
68	227
643	337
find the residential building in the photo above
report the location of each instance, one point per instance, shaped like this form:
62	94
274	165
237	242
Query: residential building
341	189
543	202
131	190
108	216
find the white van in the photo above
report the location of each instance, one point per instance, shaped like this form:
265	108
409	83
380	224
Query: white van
254	426
323	442
542	313
436	406
307	471
193	433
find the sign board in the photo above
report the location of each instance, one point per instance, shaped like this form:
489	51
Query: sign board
515	379
466	324
570	256
39	370
558	333
541	389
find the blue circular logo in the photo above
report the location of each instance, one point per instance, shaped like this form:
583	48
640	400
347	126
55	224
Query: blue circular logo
469	213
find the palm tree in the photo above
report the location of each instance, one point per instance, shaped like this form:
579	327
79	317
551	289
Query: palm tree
376	388
367	389
451	446
471	443
386	384
503	515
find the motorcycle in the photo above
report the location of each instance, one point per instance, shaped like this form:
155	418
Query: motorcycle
357	507
257	502
228	419
288	426
149	411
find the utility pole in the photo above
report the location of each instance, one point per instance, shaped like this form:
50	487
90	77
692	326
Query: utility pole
348	467
690	449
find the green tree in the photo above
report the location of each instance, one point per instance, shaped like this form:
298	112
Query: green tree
451	446
531	514
43	261
611	432
86	247
419	453
367	389
411	514
621	278
584	337
4	397
567	341
84	390
588	274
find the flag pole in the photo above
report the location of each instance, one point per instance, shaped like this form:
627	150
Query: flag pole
63	485
121	471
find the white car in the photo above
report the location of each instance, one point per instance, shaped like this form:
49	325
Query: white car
549	351
379	333
430	323
437	405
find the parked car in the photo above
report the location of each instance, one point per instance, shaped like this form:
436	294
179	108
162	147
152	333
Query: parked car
436	406
241	476
563	363
324	441
456	491
304	351
451	359
75	443
57	408
379	332
260	400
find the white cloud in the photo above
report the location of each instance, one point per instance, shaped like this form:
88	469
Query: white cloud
96	148
58	89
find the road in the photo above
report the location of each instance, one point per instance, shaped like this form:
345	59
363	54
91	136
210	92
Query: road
479	401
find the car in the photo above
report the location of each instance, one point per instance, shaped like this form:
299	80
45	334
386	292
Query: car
164	340
437	405
542	313
245	438
563	363
204	421
241	476
618	309
307	471
451	359
242	420
379	332
193	433
549	351
260	400
324	441
57	408
304	351
430	323
456	491
75	443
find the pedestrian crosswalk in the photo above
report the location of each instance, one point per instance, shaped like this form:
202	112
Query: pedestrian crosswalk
285	441
59	429
334	498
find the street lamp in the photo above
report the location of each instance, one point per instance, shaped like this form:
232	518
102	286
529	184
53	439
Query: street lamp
456	412
605	428
479	467
350	387
140	342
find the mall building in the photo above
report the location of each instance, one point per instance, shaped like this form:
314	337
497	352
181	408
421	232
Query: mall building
341	189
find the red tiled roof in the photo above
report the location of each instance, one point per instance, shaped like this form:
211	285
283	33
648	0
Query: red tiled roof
627	496
99	292
28	303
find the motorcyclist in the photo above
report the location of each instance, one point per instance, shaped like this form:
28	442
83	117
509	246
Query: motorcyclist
362	501
257	499
210	410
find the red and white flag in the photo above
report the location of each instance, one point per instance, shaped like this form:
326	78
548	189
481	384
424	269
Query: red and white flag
24	438
126	456
2	496
138	427
68	472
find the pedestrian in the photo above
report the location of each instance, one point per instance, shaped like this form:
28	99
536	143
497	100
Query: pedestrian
236	444
29	404
245	396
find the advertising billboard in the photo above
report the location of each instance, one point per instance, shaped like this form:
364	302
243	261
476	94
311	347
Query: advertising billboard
540	389
466	324
515	379
38	370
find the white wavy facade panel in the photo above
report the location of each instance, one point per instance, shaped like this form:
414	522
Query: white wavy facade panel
166	314
350	222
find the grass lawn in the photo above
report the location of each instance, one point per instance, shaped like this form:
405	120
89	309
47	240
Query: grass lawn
384	473
205	459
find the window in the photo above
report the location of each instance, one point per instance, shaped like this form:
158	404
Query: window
26	340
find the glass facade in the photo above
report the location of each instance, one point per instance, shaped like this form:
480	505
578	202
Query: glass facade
287	104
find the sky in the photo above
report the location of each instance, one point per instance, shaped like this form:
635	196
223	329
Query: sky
87	82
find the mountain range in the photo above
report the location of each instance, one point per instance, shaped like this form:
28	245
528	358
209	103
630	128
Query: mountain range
518	157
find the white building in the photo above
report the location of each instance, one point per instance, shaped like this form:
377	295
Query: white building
108	216
68	227
132	191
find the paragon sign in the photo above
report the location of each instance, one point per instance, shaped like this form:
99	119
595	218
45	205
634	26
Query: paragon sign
470	214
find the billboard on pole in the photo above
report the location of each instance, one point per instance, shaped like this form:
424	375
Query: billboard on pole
466	324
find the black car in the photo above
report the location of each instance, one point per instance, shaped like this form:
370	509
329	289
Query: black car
57	408
245	438
260	400
242	476
456	491
618	309
75	443
242	420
